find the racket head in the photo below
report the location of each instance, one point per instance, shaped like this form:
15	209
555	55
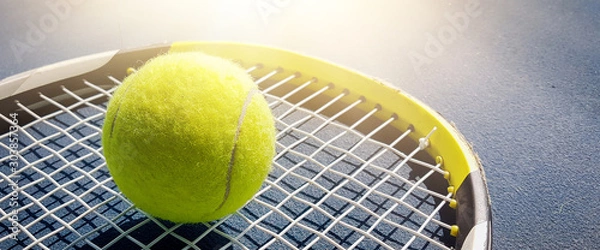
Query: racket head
90	80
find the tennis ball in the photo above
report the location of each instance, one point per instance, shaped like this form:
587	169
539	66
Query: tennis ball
188	137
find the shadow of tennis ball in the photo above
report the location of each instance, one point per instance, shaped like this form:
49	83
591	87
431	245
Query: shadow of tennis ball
150	231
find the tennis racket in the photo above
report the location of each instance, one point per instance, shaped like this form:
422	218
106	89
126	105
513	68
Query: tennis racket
359	164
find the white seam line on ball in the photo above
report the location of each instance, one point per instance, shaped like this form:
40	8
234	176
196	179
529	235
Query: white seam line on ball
112	125
235	140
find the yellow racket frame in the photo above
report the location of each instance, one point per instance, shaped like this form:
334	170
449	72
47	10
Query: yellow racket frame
458	157
465	176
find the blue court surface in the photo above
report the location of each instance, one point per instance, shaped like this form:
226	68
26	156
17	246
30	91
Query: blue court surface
520	79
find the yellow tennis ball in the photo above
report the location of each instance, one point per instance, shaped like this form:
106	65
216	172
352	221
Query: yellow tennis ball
188	137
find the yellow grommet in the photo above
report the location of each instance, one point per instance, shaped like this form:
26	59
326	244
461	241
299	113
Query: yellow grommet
439	160
446	175
130	71
452	203
454	230
451	189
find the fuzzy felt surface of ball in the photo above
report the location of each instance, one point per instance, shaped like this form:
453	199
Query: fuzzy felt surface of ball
188	137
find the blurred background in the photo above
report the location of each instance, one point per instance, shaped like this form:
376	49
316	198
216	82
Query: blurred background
521	79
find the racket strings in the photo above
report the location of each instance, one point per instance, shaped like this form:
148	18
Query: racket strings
68	186
310	158
331	185
54	180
